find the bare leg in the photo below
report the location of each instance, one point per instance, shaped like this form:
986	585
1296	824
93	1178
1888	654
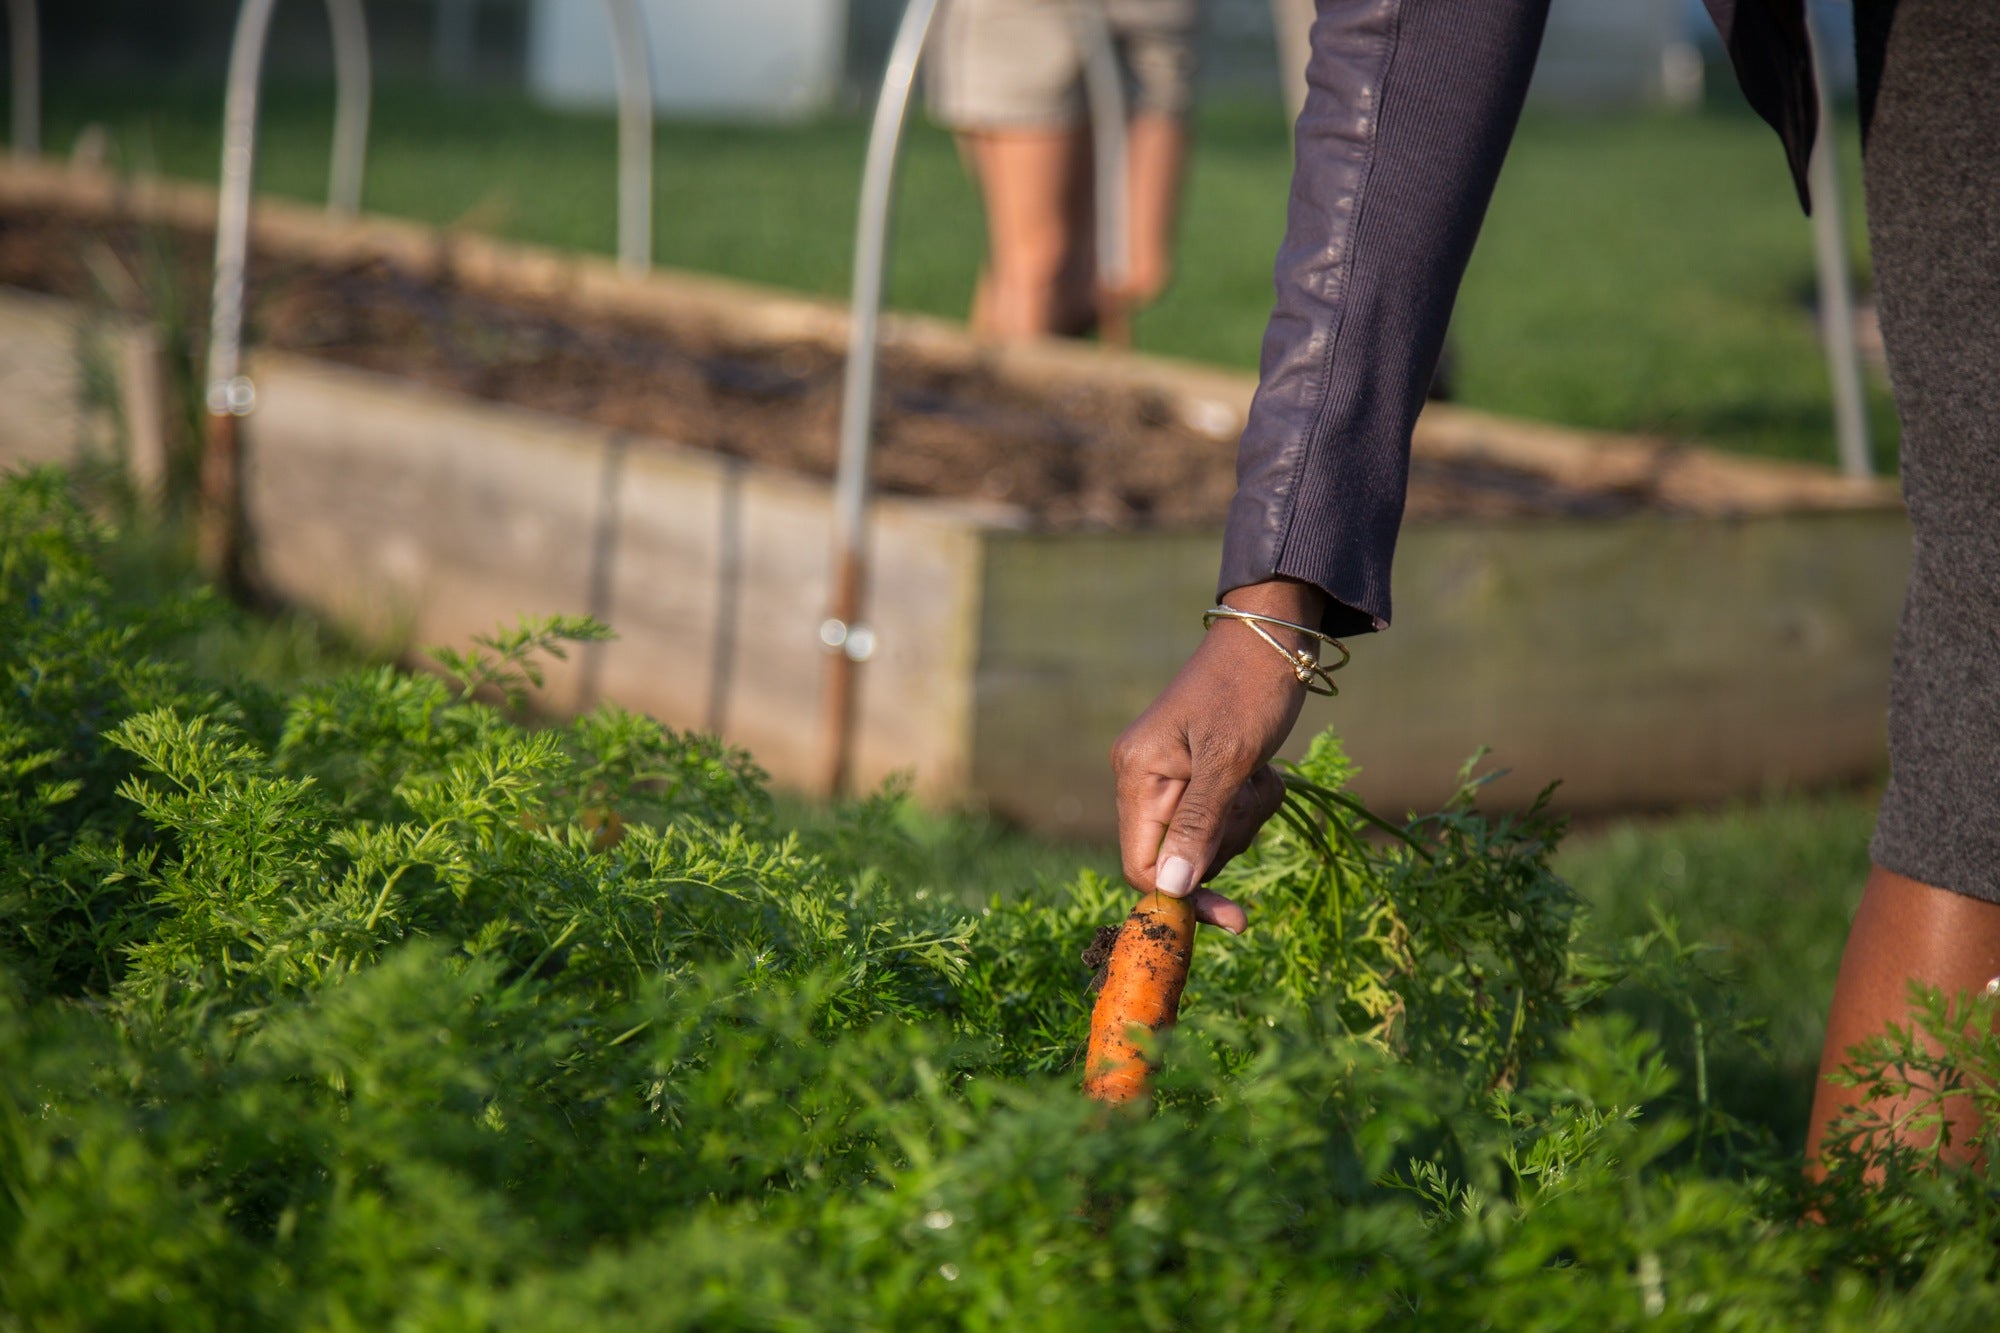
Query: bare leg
1030	180
1902	932
1156	150
1929	125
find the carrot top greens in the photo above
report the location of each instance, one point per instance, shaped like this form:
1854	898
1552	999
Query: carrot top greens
326	1004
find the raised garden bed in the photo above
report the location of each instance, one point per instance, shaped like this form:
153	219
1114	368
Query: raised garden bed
450	431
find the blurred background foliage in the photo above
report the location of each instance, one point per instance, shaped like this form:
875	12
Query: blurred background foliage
1643	268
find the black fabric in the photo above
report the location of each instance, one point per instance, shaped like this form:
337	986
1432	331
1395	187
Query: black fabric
1932	170
1871	47
1771	53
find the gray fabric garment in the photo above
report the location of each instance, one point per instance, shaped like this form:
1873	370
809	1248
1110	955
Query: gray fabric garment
1932	154
1018	64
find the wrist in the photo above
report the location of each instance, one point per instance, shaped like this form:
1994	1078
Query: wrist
1296	642
1284	599
1287	599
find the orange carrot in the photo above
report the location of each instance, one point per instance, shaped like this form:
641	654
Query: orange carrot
1142	989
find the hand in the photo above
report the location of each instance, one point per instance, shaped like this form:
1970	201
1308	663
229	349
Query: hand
1194	773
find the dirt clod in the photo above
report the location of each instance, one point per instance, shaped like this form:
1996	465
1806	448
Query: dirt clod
1097	955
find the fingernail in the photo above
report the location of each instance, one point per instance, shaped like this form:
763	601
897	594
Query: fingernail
1176	876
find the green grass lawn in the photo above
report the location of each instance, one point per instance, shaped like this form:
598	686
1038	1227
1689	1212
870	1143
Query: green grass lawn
1639	271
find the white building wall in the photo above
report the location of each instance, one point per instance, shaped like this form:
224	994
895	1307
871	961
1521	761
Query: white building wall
762	59
1618	52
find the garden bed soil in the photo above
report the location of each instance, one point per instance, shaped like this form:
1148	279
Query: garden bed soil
1072	456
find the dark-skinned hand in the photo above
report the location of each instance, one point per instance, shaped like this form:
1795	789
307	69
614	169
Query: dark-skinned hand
1194	773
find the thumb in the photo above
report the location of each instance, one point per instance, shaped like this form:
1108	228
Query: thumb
1194	833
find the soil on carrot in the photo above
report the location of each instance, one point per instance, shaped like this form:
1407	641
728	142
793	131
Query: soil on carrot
1069	458
1097	954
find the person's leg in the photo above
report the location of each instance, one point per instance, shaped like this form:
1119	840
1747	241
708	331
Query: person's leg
1030	181
1903	932
1156	152
1156	40
1931	912
1004	74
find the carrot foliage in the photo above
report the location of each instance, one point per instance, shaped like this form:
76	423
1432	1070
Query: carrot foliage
328	1005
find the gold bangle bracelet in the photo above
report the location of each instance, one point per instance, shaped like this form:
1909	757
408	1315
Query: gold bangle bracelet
1317	678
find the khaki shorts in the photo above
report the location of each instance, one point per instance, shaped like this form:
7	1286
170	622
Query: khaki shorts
1018	64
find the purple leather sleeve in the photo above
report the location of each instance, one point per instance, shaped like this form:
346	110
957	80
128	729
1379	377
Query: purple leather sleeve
1409	109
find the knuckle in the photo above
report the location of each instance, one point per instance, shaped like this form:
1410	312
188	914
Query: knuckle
1230	754
1197	816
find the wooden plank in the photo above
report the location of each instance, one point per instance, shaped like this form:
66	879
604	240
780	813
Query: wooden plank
1649	661
41	380
74	385
142	407
412	512
1688	479
1646	662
